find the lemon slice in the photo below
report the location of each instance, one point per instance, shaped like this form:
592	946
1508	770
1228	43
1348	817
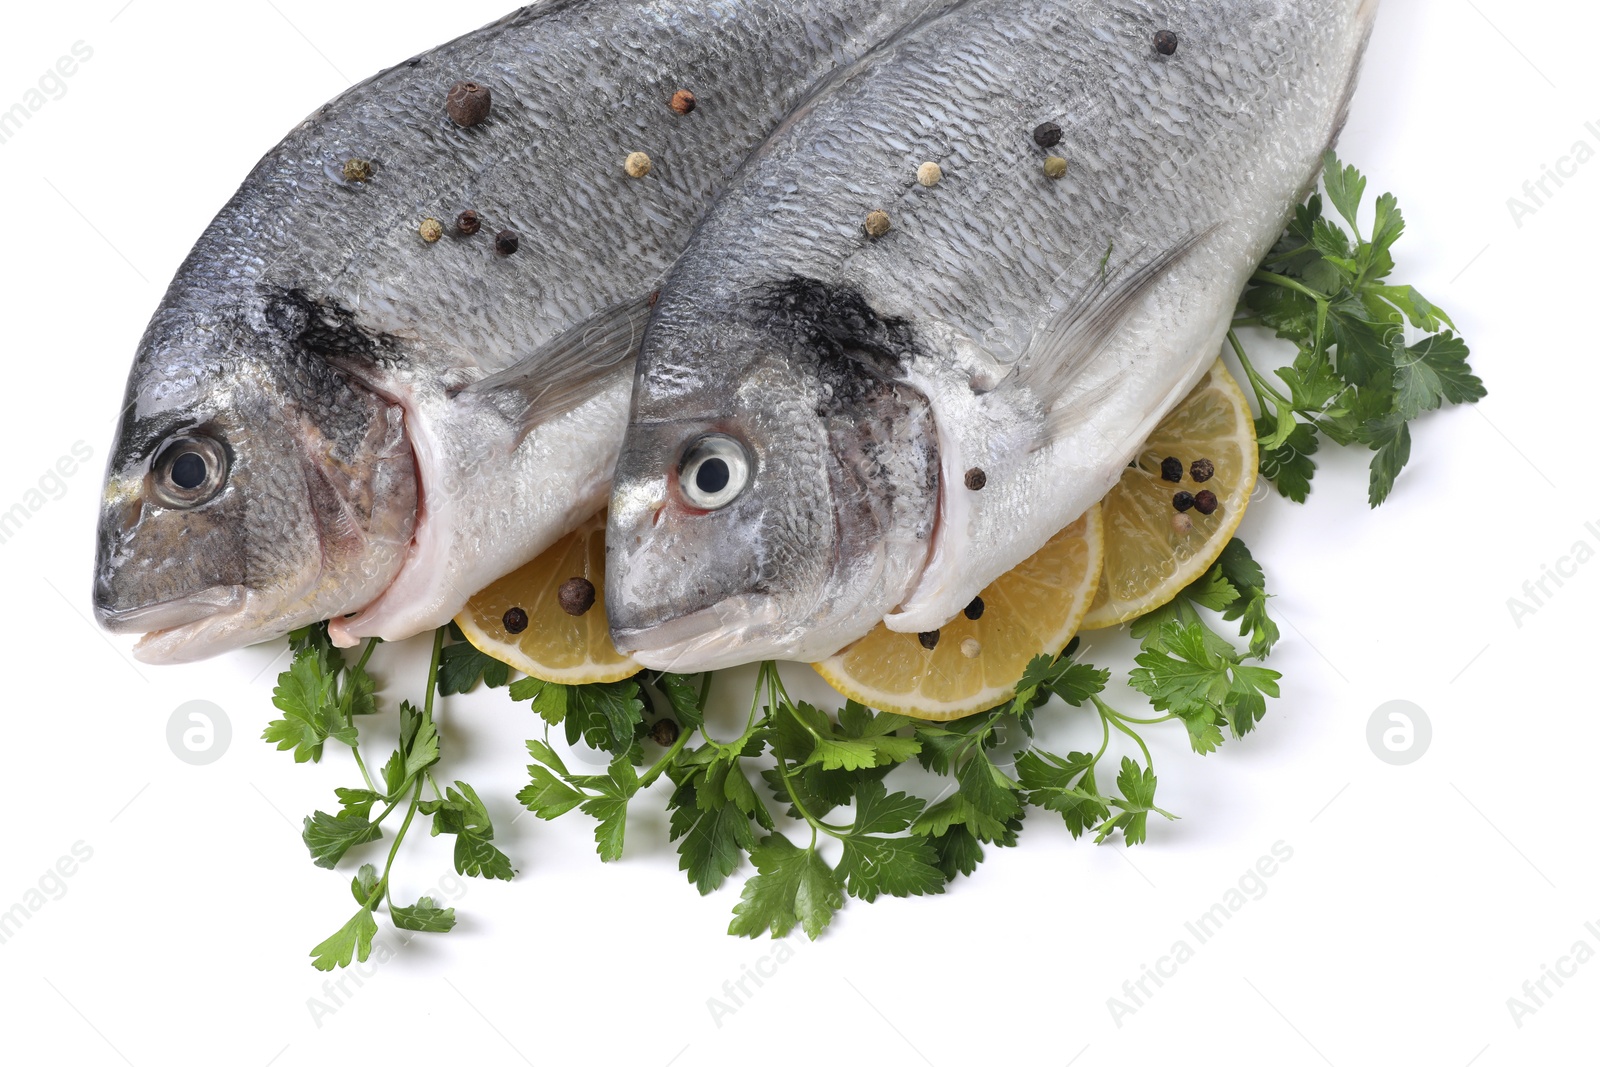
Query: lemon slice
1032	610
545	640
1152	549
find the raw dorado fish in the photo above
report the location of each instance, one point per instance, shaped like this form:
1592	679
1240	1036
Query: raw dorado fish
832	428
331	416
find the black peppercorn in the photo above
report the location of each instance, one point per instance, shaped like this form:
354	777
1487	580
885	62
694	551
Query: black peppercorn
1183	501
576	596
1172	469
515	620
929	640
468	103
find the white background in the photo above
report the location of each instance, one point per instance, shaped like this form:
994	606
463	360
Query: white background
1418	898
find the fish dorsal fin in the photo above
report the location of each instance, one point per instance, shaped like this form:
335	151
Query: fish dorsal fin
575	367
1068	344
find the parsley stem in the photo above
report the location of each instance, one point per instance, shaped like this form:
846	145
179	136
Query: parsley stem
1257	382
1140	722
1105	733
355	746
433	672
399	836
395	803
1268	278
416	792
794	798
1110	716
355	750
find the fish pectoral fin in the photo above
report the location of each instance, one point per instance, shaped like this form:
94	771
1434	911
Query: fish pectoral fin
575	367
1069	343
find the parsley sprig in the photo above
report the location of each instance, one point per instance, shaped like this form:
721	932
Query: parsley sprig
320	697
1354	378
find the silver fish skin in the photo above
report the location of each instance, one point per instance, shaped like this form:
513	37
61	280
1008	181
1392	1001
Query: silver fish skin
812	403
328	417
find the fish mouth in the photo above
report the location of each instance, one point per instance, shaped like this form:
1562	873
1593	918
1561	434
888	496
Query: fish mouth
726	634
224	629
187	629
741	629
172	614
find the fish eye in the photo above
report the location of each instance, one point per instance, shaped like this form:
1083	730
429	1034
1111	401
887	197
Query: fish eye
714	471
188	472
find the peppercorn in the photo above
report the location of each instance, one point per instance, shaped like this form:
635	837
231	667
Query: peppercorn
430	230
1166	42
1182	525
976	479
1047	135
1183	501
1205	502
468	223
1172	469
357	170
515	620
637	164
928	175
664	732
682	102
468	103
576	596
506	242
970	648
929	640
876	224
1055	168
1201	470
974	610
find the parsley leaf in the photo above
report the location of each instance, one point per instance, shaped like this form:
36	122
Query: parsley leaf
461	813
610	806
1065	786
306	696
461	666
1138	785
353	940
1184	673
424	916
898	866
329	837
791	886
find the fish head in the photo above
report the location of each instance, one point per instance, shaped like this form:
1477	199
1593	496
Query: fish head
779	518
252	488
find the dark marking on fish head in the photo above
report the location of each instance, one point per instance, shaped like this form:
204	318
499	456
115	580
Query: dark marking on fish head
835	459
253	486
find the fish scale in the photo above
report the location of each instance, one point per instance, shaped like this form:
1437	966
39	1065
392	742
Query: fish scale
1044	369
486	471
